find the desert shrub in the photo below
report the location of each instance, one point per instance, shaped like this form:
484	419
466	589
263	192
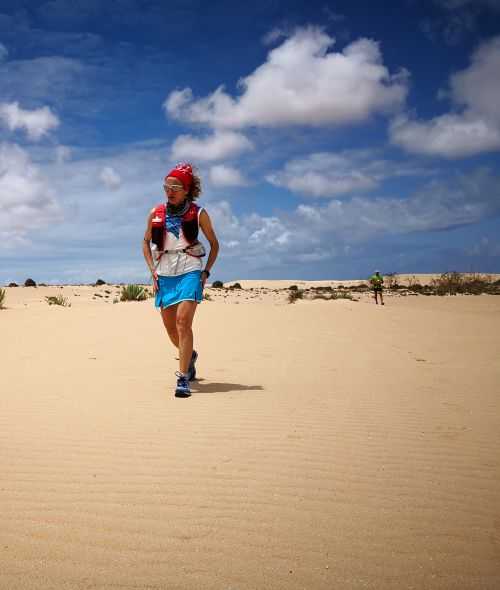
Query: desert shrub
294	295
360	288
58	300
453	283
236	286
476	284
99	282
2	297
13	285
293	288
342	295
29	283
391	280
449	283
133	293
218	285
327	295
415	288
325	288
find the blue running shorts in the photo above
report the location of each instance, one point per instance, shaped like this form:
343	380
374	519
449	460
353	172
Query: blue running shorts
173	290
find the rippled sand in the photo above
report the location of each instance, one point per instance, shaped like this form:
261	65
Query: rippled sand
327	444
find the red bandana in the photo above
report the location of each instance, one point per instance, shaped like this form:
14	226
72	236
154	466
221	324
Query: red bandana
184	173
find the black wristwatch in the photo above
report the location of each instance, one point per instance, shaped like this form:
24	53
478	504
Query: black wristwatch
207	272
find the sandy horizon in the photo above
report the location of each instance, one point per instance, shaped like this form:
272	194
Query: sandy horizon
403	278
327	444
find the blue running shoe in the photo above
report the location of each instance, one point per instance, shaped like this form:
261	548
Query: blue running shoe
182	389
192	369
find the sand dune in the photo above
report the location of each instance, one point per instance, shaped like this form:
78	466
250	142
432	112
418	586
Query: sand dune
328	444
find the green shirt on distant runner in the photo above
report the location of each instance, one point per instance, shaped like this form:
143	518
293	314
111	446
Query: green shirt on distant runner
376	281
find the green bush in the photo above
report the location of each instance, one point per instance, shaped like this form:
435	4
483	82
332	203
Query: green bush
2	297
58	300
218	285
342	295
454	283
133	293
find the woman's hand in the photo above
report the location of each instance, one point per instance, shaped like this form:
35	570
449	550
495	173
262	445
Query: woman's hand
204	277
156	287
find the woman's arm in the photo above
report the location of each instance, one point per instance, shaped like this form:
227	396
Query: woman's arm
146	250
208	231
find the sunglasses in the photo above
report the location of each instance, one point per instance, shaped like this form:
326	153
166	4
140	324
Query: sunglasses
173	187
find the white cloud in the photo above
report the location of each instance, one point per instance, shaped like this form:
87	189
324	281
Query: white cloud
217	146
27	201
53	79
36	123
476	128
439	206
478	86
314	233
301	83
322	175
4	52
298	239
451	136
110	178
222	175
327	174
273	36
62	153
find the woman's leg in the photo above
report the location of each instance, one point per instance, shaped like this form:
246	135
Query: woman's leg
169	317
184	323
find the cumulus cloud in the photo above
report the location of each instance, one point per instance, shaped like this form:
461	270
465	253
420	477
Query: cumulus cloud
36	123
27	201
318	232
327	174
274	35
301	83
438	206
475	128
110	178
62	153
223	175
450	136
219	145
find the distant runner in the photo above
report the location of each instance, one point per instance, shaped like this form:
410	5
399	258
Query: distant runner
174	257
377	282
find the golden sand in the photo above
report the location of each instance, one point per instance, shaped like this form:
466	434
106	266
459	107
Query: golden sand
327	444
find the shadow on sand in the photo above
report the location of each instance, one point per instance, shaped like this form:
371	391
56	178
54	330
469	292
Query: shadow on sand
199	386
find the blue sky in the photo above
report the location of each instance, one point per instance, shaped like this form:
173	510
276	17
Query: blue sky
331	137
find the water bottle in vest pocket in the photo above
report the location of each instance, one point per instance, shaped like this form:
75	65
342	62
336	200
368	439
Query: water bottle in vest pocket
158	231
